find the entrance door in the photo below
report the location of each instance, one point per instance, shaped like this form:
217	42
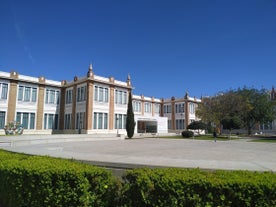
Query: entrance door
147	127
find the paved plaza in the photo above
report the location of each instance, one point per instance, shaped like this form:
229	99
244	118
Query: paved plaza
240	154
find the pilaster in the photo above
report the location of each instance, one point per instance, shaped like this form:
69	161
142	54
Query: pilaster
89	106
12	101
40	104
173	112
111	105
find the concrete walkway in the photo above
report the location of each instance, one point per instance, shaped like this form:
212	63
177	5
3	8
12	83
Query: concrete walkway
151	152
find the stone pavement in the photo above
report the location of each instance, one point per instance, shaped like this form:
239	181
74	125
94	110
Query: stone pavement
115	152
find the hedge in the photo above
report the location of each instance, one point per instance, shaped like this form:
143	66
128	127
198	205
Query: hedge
36	181
43	181
193	187
187	134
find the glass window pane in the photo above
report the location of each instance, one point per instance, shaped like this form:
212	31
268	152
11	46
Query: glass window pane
95	121
27	95
57	97
47	96
120	121
50	121
52	97
45	121
106	95
56	121
32	121
20	93
100	124
96	94
25	120
34	94
105	121
2	119
4	93
100	94
18	117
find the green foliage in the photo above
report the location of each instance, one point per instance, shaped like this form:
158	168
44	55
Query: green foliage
13	128
187	134
43	181
178	187
261	109
231	122
250	106
130	122
197	125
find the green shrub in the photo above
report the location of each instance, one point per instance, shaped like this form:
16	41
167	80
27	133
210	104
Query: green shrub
187	134
178	187
44	181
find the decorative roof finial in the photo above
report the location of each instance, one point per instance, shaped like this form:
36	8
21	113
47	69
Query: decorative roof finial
186	95
128	80
90	71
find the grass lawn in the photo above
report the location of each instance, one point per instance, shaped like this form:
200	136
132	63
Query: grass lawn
265	140
202	137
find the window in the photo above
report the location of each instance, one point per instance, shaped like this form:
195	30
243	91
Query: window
32	121
69	96
20	93
67	122
27	94
120	97
169	124
100	120
52	96
192	108
136	106
100	94
57	97
50	121
2	119
81	94
80	121
26	119
167	109
147	107
179	123
157	108
120	121
34	94
179	108
4	90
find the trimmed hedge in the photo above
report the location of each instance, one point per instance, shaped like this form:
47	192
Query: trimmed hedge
187	134
36	181
180	187
43	181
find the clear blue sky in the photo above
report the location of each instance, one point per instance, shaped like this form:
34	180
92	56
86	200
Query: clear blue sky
167	46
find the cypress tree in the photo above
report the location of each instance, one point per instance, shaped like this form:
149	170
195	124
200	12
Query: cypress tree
130	123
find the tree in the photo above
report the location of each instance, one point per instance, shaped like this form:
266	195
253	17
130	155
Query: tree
250	106
231	123
197	125
130	122
213	110
261	107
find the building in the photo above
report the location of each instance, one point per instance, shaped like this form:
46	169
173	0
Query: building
90	104
180	112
